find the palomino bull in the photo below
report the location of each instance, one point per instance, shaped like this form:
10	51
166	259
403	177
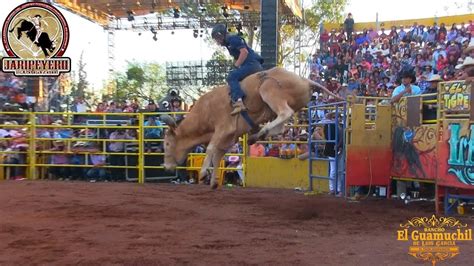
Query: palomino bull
271	96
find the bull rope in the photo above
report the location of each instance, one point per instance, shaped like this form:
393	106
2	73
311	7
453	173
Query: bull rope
263	77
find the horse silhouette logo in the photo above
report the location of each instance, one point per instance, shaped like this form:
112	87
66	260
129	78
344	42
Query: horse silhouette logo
35	36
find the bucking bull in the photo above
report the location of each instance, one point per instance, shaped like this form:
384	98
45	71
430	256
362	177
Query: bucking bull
272	96
44	42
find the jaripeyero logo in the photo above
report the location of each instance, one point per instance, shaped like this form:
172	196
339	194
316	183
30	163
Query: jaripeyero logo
35	36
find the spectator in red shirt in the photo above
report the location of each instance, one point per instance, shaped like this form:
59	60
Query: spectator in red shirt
341	36
470	27
324	37
101	108
442	63
333	85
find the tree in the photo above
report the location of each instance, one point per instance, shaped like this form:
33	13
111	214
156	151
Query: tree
80	85
140	80
320	11
217	68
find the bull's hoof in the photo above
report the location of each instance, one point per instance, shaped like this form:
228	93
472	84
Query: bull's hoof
204	176
214	186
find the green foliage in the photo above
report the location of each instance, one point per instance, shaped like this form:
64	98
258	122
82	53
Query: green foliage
80	83
221	65
320	11
140	80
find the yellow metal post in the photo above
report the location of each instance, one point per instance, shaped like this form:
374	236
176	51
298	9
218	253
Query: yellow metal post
141	158
244	158
32	147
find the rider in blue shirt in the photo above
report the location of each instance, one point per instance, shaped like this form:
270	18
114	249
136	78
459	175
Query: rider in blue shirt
247	62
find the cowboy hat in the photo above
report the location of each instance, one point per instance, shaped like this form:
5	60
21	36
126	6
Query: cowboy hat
303	133
469	61
57	123
459	65
435	77
80	144
469	47
408	73
234	159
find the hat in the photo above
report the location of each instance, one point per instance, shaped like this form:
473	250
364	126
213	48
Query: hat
469	61
12	123
408	73
57	123
333	79
435	77
80	144
303	132
234	159
469	47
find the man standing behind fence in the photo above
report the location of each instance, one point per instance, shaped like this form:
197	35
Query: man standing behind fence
117	174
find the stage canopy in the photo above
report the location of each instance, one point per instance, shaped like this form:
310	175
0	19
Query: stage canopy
101	11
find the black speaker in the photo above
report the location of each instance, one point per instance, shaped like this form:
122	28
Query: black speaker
269	27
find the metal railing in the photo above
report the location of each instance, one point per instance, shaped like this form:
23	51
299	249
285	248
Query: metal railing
33	143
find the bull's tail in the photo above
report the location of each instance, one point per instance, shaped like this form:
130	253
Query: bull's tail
19	21
315	85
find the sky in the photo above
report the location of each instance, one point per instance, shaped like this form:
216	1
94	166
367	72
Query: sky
91	39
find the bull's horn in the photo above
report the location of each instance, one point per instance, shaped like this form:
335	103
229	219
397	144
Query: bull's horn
168	120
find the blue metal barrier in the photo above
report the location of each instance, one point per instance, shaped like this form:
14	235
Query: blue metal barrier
339	125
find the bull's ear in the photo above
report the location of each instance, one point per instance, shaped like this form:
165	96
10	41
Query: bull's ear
170	131
169	121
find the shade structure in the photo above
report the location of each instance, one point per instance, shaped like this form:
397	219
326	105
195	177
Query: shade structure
100	11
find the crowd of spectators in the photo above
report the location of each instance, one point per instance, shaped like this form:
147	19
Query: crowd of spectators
71	139
373	63
13	96
368	63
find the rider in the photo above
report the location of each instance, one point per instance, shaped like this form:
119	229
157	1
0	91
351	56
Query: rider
37	20
247	62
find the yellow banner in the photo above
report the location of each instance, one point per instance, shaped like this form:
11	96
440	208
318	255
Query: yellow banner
448	20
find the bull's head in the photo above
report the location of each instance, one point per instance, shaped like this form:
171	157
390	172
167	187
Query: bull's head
174	153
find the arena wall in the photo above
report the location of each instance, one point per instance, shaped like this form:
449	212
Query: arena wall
269	172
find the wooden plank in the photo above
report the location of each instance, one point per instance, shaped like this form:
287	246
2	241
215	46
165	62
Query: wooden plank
413	111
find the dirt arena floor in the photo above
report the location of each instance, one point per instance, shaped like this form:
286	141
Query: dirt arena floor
64	223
